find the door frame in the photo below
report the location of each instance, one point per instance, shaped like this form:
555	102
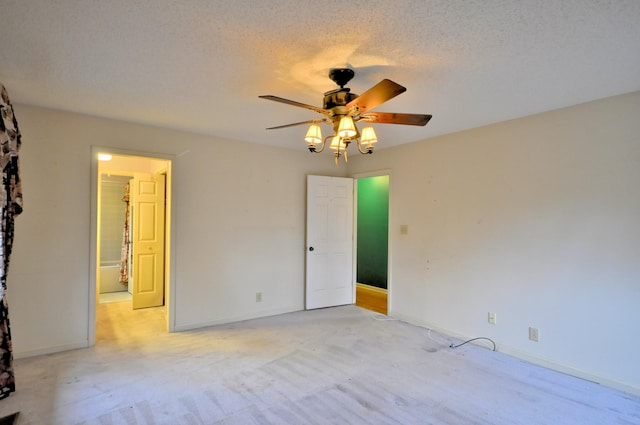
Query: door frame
355	177
170	236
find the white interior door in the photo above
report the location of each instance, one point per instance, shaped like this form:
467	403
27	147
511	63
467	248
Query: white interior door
329	274
148	198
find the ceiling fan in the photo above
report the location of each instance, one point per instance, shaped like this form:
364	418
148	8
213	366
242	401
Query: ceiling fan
342	109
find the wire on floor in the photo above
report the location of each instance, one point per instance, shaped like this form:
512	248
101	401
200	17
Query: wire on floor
474	339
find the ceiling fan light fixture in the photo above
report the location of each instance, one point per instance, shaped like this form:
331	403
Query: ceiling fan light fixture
342	109
339	147
337	143
368	137
314	136
347	127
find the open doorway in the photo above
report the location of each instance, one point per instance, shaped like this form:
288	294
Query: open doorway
372	244
132	213
114	282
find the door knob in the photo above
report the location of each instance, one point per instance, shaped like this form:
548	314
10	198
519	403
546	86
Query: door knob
310	248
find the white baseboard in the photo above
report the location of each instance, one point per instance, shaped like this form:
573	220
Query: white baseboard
23	354
231	319
549	364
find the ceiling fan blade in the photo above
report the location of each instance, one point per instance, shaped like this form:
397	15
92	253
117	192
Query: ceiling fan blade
395	118
296	123
376	95
294	103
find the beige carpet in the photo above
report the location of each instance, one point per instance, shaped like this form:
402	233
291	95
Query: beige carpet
341	365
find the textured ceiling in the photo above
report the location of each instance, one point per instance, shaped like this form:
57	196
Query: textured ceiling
200	65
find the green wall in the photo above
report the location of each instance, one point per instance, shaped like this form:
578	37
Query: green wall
373	230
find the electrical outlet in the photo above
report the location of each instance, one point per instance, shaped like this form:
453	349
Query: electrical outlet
492	318
258	297
534	335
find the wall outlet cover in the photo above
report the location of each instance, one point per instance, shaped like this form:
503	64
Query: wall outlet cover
534	334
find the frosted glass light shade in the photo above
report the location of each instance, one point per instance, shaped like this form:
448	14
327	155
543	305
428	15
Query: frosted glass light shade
368	136
314	135
347	127
337	143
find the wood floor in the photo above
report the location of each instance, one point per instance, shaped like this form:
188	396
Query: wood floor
371	298
343	365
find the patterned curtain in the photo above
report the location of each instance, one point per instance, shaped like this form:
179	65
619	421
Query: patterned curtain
10	206
124	258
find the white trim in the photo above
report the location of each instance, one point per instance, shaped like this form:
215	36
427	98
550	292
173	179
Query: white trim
384	172
93	246
233	319
354	241
93	250
49	350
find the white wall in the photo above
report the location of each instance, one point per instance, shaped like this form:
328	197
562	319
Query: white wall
239	218
535	219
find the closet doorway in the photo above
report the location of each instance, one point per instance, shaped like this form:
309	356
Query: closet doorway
132	206
372	242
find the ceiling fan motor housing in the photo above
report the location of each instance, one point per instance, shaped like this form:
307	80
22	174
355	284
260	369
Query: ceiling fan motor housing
339	97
